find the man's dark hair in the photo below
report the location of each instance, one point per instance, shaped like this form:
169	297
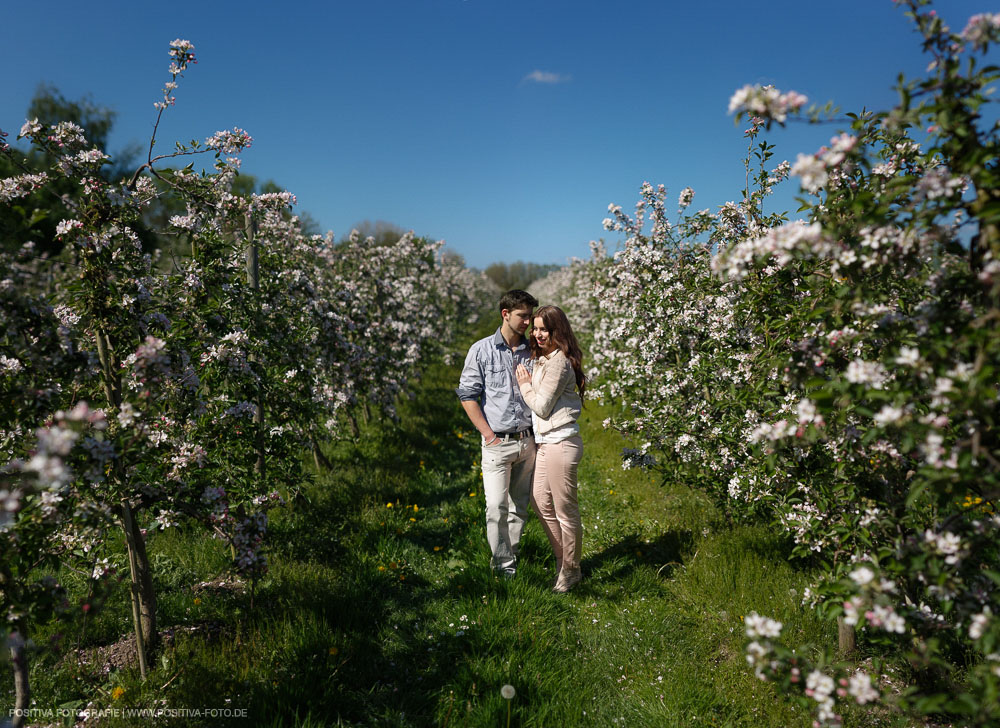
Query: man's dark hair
513	300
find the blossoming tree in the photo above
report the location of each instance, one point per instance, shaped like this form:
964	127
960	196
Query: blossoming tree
185	389
836	373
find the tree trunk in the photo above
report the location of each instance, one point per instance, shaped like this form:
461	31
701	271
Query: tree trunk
22	690
143	595
847	639
321	460
253	281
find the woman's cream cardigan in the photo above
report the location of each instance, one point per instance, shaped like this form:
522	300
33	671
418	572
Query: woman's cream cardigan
551	394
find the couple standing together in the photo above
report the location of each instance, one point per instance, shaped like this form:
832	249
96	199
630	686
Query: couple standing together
524	395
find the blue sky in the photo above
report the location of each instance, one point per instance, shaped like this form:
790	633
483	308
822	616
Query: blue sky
504	127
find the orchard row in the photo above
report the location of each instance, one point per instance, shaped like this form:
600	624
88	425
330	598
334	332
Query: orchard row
144	389
836	375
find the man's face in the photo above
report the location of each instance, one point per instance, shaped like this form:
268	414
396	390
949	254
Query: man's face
518	319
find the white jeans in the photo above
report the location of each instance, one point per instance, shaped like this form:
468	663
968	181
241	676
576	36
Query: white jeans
507	471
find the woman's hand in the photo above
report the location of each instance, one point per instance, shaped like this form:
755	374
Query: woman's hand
522	374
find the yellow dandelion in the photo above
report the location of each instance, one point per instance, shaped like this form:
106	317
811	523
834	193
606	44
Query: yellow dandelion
117	692
413	519
460	435
334	650
381	568
611	492
437	548
415	508
388	505
197	601
472	495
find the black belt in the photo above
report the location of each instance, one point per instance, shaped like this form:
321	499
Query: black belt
516	435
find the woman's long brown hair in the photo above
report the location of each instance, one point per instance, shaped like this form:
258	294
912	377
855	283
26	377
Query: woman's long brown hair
562	336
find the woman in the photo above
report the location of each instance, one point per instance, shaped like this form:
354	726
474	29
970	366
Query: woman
554	392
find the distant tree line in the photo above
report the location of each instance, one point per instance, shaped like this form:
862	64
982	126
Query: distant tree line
518	274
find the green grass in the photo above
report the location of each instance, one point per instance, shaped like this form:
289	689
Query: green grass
380	609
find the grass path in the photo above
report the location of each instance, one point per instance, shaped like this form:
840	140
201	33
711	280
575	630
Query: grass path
380	609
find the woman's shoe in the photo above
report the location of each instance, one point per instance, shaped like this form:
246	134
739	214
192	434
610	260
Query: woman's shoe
568	578
558	569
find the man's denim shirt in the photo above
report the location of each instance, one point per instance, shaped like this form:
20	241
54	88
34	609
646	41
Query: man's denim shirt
488	378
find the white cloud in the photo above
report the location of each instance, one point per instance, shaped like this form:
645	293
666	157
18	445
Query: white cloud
546	77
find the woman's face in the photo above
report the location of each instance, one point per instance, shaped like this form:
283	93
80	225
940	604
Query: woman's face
541	335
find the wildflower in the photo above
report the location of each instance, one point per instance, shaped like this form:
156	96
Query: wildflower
758	626
229	142
888	415
766	101
851	610
756	652
508	692
66	226
980	28
908	356
979	622
860	687
866	372
862	575
812	171
687	194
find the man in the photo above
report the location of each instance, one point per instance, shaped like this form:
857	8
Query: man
491	398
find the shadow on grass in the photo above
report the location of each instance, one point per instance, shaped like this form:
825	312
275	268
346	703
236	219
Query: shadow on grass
354	647
341	636
622	559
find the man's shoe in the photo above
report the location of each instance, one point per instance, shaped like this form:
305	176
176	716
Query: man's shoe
508	574
568	578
